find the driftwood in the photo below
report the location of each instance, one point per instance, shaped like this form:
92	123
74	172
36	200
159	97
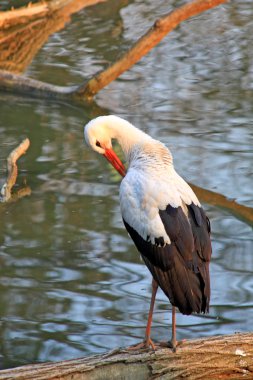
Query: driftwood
224	357
5	193
162	26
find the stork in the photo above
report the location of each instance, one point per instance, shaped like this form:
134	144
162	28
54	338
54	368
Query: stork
162	215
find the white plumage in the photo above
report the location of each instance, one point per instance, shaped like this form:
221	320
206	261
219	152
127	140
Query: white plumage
142	198
161	213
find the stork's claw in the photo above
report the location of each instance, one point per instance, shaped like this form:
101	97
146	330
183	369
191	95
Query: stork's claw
146	344
172	345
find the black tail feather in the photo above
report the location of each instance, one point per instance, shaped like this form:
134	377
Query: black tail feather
186	290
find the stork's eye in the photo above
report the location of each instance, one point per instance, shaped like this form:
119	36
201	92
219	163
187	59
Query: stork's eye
98	144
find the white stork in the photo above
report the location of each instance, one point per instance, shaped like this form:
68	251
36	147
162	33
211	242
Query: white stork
162	215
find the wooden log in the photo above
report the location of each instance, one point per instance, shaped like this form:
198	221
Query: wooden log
223	357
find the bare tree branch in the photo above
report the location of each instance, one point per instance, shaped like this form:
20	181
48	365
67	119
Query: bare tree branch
13	172
160	29
11	82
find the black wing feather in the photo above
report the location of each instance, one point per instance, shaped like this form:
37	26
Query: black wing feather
181	268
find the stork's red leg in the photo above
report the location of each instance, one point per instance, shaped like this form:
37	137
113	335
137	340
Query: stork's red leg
147	341
173	342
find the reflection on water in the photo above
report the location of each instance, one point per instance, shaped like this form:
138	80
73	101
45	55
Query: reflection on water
71	282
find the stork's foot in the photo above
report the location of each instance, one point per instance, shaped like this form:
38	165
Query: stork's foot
146	344
172	344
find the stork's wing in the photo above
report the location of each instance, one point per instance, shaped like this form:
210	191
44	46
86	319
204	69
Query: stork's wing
180	264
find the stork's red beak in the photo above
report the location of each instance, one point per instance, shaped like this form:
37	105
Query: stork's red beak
112	157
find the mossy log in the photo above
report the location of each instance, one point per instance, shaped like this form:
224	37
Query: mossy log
223	357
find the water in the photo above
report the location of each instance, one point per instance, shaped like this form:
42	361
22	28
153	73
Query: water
71	281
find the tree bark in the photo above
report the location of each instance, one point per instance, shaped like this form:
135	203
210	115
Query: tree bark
224	357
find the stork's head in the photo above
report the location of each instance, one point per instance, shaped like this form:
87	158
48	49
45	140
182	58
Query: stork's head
98	135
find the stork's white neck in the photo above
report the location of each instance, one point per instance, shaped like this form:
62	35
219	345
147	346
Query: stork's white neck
125	133
136	143
139	148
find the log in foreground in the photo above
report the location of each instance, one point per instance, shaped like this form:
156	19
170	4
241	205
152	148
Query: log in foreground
224	357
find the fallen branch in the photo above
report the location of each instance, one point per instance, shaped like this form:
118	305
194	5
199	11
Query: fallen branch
223	357
12	169
242	212
87	90
20	84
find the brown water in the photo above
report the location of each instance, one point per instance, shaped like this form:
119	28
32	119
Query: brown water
71	281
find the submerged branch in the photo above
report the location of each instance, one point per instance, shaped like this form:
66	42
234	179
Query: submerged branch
21	84
242	212
12	168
